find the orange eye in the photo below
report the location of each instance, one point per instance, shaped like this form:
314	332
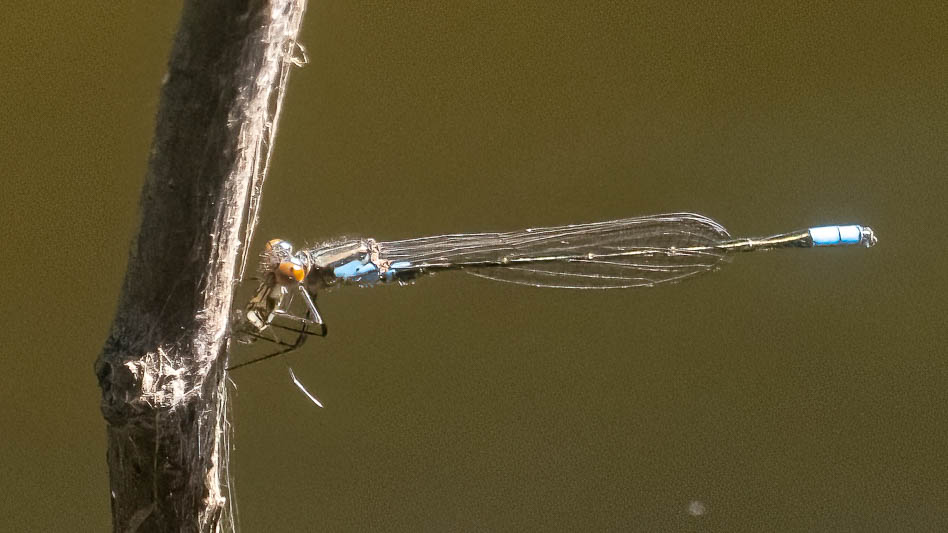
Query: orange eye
275	252
291	269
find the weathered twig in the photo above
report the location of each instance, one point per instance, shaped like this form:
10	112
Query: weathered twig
161	370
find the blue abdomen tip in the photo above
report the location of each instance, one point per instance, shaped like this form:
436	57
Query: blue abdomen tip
835	235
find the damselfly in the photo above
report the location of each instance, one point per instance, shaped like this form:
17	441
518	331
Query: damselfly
632	252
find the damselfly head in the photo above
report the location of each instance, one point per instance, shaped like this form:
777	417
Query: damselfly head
275	252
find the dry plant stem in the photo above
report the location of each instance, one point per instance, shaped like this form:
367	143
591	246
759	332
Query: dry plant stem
161	370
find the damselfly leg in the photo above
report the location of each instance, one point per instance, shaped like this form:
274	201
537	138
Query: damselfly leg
268	313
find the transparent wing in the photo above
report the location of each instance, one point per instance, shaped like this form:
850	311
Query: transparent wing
631	252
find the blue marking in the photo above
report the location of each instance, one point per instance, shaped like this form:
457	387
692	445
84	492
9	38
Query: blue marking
825	235
366	268
347	270
850	234
831	235
357	271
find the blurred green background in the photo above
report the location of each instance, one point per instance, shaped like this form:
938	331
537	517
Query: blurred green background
795	390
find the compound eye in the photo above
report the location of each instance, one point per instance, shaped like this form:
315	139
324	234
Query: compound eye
278	245
275	252
291	269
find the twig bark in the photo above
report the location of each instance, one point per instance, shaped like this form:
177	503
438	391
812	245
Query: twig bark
162	368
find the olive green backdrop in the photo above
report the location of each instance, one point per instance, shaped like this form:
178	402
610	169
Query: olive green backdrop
794	390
